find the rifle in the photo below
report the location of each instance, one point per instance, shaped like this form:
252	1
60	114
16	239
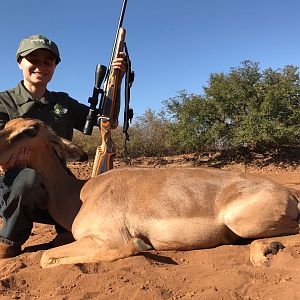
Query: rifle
106	115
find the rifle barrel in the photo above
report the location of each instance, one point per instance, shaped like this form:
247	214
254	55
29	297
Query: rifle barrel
122	13
119	26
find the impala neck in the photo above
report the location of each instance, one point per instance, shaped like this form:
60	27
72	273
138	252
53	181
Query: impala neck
64	190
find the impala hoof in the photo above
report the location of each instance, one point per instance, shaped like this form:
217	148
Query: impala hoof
140	245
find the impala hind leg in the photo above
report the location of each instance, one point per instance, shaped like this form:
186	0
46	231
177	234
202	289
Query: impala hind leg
259	249
88	250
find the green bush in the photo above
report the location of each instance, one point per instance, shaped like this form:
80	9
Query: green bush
245	109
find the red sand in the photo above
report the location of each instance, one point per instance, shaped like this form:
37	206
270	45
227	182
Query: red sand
221	273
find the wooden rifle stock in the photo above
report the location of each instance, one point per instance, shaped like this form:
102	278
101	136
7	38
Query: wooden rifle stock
109	113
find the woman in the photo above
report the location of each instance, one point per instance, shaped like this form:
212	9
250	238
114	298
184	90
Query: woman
23	198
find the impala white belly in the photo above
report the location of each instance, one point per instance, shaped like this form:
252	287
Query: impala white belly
184	233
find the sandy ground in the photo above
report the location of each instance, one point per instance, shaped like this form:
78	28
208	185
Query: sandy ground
221	273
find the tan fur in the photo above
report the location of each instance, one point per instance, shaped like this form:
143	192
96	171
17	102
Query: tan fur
126	211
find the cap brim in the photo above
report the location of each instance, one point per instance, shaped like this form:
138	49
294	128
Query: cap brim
25	53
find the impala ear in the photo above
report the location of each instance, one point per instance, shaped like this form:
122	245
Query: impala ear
67	150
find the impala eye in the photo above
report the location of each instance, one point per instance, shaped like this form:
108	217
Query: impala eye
31	131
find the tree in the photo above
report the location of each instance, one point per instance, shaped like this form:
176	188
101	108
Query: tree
190	119
244	108
148	135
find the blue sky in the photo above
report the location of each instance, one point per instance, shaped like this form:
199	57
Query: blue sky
173	44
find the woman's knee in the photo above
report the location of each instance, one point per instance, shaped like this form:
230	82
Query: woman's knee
25	178
26	190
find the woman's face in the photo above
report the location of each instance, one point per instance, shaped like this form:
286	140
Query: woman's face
38	67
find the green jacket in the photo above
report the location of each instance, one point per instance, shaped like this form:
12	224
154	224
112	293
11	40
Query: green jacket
61	112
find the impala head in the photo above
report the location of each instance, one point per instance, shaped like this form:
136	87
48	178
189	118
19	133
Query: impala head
38	137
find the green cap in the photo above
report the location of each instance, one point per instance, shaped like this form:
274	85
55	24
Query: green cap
35	42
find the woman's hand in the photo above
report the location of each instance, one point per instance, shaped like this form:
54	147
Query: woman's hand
20	159
119	63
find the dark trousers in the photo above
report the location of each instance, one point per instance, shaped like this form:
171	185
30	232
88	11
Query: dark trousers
23	200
